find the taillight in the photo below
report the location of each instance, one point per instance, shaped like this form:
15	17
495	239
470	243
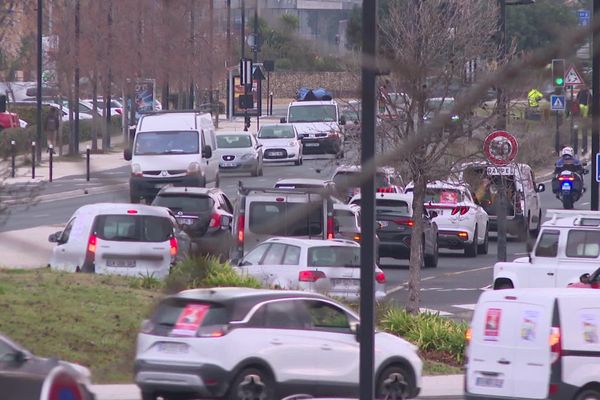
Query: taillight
468	335
147	326
555	344
463	235
380	277
213	331
385	190
330	226
357	237
92	244
173	243
240	229
310	276
462	210
215	220
119	111
405	221
566	178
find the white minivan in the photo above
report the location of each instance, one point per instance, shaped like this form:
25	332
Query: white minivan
534	344
114	238
172	148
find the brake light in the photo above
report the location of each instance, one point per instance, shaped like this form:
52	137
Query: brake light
357	237
555	344
463	235
173	243
462	210
405	221
119	111
468	335
92	243
380	277
330	225
213	331
215	220
385	190
131	211
566	178
240	229
310	276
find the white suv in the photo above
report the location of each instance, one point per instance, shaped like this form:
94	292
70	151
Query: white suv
224	342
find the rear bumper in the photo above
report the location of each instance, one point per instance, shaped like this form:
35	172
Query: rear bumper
395	249
321	146
148	187
449	239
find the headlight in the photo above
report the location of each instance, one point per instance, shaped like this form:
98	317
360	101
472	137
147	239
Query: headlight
247	156
333	133
193	168
293	143
455	118
136	169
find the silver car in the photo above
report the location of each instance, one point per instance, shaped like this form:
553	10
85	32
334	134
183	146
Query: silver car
239	152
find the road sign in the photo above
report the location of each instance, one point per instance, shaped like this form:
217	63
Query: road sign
245	71
557	102
500	148
584	17
572	77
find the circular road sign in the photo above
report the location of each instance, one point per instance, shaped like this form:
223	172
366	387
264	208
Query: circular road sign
500	147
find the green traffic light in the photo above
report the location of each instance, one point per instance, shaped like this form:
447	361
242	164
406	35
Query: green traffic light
559	81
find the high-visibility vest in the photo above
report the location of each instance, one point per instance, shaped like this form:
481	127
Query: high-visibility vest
533	97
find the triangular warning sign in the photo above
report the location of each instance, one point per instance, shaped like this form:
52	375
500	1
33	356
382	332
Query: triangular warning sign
572	77
557	103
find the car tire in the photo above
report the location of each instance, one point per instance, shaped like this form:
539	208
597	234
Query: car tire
298	161
588	394
471	249
484	247
399	375
148	396
523	233
431	261
244	377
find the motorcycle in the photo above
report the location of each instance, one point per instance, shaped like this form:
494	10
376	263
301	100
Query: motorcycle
569	187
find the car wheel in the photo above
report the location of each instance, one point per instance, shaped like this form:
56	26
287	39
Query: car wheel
431	261
471	249
588	394
484	247
523	233
252	383
396	382
149	396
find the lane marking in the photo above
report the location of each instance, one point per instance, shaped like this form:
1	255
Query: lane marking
470	307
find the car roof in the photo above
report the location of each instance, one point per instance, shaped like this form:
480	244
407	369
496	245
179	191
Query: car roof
312	242
392	196
231	294
188	189
122	208
241	133
172	121
573	218
304	181
442	185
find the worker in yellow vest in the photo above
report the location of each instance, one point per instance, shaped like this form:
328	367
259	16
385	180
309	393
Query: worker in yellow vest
533	97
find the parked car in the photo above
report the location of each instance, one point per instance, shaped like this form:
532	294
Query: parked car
205	214
239	152
346	179
218	342
121	239
330	267
305	183
590	281
26	376
116	107
281	143
462	223
394	215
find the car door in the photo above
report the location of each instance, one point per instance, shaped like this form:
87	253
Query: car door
274	273
211	164
258	148
582	252
250	264
541	272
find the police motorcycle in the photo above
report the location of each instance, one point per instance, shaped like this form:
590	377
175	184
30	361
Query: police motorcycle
567	184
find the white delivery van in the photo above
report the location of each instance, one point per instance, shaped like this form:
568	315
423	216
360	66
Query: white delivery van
534	344
172	148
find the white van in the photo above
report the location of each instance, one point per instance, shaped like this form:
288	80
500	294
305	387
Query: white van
534	344
172	148
113	238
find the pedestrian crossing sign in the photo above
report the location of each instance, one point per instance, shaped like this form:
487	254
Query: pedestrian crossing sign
557	102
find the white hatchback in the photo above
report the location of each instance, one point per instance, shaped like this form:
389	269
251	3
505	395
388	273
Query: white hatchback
281	143
121	239
331	266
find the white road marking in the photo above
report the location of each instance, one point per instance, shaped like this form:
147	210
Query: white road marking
465	306
488	287
587	203
405	284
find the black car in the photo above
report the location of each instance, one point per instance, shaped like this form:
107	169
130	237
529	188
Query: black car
205	214
22	375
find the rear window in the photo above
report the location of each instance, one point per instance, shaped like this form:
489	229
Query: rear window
177	317
392	207
350	179
334	256
345	219
133	228
583	244
286	219
185	203
443	196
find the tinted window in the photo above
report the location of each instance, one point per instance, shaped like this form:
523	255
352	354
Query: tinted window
284	315
392	207
286	219
184	318
276	132
7	353
325	316
292	256
351	179
274	254
133	228
584	244
186	203
64	237
316	113
150	143
345	219
233	141
548	244
334	256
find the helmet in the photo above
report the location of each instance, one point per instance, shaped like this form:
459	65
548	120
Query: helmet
567	151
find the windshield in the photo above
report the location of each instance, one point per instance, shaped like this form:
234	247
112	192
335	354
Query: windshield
334	256
185	203
276	132
440	104
392	207
233	141
170	142
316	113
443	196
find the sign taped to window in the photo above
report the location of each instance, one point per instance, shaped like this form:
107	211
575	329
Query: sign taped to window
492	324
190	320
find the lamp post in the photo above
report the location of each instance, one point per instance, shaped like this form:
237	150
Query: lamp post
38	116
595	104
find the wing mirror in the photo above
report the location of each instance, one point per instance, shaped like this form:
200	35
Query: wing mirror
20	357
207	152
55	237
283	120
355	329
127	154
585	278
540	188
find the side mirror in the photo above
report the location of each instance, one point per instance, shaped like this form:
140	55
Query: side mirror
540	188
355	329
207	152
283	120
226	222
343	120
127	154
20	357
585	278
53	238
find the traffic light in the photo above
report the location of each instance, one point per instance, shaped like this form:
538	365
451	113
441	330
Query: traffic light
558	73
246	122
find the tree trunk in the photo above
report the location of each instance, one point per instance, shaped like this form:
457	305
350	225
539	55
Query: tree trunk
95	112
416	245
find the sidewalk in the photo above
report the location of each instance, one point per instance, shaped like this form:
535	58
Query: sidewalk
433	386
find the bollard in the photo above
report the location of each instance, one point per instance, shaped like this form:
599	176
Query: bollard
50	159
575	138
270	105
32	160
87	163
13	154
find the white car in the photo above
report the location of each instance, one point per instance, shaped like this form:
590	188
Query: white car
239	152
462	223
324	266
222	342
114	238
281	143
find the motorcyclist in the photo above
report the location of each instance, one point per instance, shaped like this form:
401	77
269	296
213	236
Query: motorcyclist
568	161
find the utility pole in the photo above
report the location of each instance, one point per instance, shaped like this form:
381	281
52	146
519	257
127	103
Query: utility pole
107	100
76	110
228	55
501	125
38	116
243	30
595	102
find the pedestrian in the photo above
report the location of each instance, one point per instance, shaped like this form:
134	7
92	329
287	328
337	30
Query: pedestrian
51	126
584	97
533	97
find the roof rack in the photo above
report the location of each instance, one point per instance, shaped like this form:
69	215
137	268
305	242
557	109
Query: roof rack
244	190
557	213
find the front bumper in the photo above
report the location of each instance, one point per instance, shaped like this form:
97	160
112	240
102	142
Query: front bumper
281	154
148	187
238	165
323	145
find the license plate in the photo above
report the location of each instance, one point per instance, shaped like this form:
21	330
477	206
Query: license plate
228	165
120	263
311	144
277	153
566	186
186	221
160	185
173	348
489	382
347	283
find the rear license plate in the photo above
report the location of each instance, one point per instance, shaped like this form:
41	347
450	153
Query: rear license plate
346	283
120	263
228	165
489	382
185	221
277	153
172	348
311	144
566	186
